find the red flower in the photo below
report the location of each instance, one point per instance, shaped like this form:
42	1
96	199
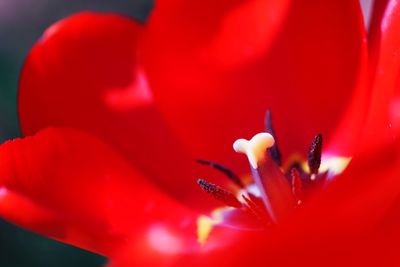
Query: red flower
118	111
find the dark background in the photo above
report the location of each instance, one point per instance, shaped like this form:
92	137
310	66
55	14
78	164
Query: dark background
21	24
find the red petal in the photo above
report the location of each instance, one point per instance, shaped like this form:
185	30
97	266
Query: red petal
375	111
84	73
377	13
70	186
139	254
383	121
23	211
350	219
342	143
213	96
255	22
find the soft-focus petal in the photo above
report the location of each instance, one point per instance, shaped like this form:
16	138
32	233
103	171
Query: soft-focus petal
255	22
374	114
348	219
348	224
343	143
383	124
306	76
377	13
24	212
85	73
71	186
209	255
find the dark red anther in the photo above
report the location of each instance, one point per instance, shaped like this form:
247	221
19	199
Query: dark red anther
297	186
273	151
230	174
297	165
314	154
220	194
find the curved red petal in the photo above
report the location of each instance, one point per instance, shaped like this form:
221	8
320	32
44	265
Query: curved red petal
383	120
24	212
212	96
255	22
350	219
378	10
374	114
377	111
85	73
28	214
71	186
139	254
342	143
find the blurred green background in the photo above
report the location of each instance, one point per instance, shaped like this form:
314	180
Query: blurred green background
21	24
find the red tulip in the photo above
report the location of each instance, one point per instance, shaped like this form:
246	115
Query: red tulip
115	114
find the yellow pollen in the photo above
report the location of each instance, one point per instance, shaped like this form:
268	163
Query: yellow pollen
204	227
205	224
332	165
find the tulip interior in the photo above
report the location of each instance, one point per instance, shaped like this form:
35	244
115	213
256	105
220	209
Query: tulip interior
272	190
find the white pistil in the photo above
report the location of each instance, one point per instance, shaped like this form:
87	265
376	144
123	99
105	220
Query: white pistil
274	188
255	147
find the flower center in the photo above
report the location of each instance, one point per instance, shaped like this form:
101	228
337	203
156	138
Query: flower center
273	191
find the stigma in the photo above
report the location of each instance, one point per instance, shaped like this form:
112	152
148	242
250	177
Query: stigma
255	147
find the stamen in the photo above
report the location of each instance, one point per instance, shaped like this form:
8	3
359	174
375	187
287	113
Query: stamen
314	155
256	200
274	190
258	211
274	150
230	174
298	166
297	187
220	194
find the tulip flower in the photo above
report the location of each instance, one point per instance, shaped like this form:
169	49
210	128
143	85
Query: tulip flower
115	114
